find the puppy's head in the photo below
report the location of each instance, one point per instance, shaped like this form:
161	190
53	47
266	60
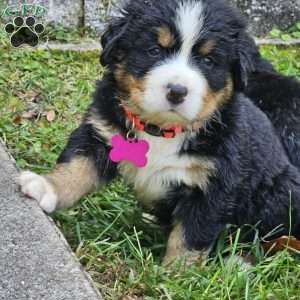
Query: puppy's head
178	61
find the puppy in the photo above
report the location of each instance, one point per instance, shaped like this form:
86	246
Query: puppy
176	76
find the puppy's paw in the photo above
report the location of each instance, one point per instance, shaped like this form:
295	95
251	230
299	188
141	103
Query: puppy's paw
38	188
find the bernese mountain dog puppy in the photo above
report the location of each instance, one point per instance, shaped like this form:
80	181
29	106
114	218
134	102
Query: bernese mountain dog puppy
203	128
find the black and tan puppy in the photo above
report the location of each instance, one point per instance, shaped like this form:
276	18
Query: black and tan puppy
176	73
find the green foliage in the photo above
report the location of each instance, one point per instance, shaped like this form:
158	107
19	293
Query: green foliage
39	82
292	33
66	35
285	60
119	246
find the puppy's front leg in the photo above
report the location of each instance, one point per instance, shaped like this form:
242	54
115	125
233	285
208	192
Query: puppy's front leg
67	183
82	168
178	249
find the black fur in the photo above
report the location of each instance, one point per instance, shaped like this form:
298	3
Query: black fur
255	182
279	97
255	147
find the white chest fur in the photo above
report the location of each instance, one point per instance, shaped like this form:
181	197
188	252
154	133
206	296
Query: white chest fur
165	167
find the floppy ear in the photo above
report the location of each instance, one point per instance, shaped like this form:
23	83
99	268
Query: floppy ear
247	59
110	39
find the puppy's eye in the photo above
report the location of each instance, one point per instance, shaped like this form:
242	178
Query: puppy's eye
154	51
208	61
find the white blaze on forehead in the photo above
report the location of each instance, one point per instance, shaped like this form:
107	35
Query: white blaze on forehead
178	69
189	21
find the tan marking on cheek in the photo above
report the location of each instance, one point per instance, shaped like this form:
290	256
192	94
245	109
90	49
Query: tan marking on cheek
131	87
136	88
126	80
177	249
207	47
165	37
119	72
214	100
73	180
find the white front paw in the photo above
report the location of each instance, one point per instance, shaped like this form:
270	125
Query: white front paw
38	188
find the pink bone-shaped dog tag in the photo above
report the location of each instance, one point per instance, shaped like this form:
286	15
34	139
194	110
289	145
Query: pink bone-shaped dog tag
127	150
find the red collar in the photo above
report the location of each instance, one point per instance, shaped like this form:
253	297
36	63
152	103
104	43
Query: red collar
152	129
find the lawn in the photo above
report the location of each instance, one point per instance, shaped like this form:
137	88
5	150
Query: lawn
43	95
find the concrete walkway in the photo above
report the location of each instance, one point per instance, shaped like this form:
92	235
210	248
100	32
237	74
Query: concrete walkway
35	260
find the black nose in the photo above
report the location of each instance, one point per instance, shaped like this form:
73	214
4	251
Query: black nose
176	93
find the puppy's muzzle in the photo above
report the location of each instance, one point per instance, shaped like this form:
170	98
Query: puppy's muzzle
176	93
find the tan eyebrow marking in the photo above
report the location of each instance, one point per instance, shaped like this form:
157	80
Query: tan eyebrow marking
165	37
207	47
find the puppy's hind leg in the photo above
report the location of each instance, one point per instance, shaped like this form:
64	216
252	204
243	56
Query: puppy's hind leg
177	249
82	168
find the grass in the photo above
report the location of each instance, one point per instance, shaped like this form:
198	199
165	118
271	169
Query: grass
116	243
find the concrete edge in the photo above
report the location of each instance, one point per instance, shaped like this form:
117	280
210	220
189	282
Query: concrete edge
277	42
84	46
93	45
86	275
51	222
